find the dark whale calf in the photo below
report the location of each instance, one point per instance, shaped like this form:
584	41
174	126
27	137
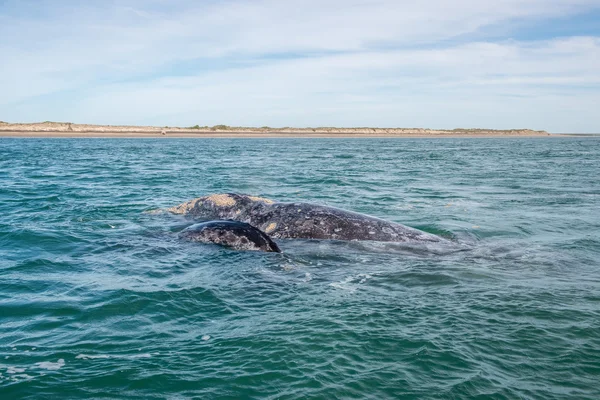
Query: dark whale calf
234	234
299	220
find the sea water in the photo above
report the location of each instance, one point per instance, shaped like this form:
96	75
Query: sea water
99	298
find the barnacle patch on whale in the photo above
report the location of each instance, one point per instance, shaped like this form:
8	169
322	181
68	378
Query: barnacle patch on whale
256	198
221	200
186	207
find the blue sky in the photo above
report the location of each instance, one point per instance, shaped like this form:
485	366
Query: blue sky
386	63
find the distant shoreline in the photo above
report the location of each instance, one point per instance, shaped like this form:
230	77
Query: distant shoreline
240	135
66	129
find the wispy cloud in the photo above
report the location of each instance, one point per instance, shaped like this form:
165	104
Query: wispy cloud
380	63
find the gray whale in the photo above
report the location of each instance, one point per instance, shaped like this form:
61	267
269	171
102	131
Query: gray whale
280	220
234	234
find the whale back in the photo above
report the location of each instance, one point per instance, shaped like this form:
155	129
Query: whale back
312	221
234	234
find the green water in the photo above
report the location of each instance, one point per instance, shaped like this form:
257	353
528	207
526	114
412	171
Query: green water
101	300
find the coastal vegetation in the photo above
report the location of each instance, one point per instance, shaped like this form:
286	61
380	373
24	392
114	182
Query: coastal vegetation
221	128
212	128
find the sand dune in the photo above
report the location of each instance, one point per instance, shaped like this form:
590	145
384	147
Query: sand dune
66	129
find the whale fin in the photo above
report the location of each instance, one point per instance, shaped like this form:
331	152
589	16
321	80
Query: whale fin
234	234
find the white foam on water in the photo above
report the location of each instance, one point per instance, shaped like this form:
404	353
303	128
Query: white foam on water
340	285
22	377
105	356
350	283
205	337
287	267
145	355
51	366
344	284
15	370
91	356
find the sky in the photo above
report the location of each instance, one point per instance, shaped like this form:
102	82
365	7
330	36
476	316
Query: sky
498	64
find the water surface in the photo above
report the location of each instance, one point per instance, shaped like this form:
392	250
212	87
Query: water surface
99	299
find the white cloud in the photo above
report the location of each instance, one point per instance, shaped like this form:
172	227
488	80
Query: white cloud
348	63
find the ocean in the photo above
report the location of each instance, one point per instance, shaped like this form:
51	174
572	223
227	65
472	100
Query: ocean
100	299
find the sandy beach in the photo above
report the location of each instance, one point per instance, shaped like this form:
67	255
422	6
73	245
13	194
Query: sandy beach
69	130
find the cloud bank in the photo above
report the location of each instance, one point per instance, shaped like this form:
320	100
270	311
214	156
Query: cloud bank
437	64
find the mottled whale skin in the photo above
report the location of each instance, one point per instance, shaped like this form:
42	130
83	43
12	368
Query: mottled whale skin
234	234
299	220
